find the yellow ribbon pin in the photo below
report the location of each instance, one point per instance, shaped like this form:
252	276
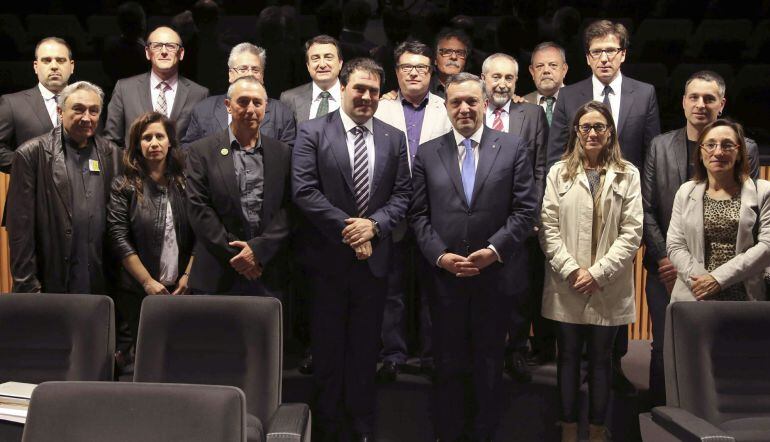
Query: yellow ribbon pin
224	151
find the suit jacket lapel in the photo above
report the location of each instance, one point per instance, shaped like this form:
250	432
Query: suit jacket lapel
679	146
179	100
305	99
220	113
59	170
336	137
488	150
586	91
36	102
626	101
144	94
270	169
227	168
515	119
268	115
448	154
382	143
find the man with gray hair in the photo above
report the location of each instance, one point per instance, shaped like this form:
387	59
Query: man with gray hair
210	115
57	201
548	69
473	207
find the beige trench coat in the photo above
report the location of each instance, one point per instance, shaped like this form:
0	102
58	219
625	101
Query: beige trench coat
565	236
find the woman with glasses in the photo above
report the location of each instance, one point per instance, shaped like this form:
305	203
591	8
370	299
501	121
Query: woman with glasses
147	218
591	229
719	237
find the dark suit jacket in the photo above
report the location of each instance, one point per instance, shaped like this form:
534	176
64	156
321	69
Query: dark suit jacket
322	188
665	170
639	119
216	214
23	116
131	98
503	207
299	100
210	116
528	122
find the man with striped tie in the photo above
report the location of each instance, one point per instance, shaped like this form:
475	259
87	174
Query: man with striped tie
350	180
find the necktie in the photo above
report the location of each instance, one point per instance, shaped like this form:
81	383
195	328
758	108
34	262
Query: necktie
497	123
607	91
161	105
549	108
469	170
323	107
55	118
360	170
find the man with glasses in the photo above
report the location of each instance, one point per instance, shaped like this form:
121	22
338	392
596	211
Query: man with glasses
667	166
162	89
634	108
210	115
422	116
453	47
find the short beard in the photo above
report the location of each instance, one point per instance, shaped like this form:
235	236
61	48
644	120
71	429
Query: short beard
499	100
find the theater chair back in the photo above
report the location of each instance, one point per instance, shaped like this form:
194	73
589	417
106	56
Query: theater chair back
56	337
217	340
128	412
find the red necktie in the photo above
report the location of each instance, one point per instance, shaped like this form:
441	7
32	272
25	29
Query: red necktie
497	124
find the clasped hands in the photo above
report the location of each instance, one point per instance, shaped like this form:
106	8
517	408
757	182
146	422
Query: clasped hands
244	262
472	265
582	282
358	234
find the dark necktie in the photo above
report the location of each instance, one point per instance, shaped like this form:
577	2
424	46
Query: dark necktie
360	170
469	170
323	107
549	108
607	91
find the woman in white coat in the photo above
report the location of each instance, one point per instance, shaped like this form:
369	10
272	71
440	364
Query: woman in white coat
591	229
719	237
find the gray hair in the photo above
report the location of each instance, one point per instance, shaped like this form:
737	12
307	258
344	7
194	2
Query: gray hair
247	48
709	76
550	45
78	86
488	60
463	77
244	79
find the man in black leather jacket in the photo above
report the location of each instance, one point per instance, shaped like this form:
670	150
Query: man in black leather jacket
57	201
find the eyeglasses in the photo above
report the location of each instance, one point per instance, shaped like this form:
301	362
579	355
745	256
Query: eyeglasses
245	69
726	146
611	52
586	128
170	47
445	52
421	69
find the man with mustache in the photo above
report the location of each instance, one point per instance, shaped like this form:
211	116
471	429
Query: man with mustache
548	69
32	112
57	201
667	166
499	73
453	47
162	89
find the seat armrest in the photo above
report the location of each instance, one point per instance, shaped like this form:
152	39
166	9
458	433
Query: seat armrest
688	427
289	423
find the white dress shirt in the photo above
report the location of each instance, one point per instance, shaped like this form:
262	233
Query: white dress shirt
49	98
504	115
172	82
349	124
334	100
614	96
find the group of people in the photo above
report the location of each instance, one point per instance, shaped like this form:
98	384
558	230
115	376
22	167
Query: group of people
508	212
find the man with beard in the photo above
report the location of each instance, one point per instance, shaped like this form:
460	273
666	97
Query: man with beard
500	72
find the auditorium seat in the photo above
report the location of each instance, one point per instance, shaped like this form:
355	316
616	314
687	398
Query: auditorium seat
128	412
100	28
717	386
660	40
65	26
751	98
16	75
222	340
759	43
11	26
719	41
92	71
682	72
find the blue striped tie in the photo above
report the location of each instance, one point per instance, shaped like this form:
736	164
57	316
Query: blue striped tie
361	170
469	170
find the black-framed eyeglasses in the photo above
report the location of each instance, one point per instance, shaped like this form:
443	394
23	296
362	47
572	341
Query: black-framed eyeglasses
158	46
611	52
246	69
599	128
446	52
421	69
726	146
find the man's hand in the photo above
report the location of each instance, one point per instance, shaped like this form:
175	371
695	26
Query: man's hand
458	265
667	274
518	99
392	95
704	286
357	231
244	262
153	287
181	287
482	258
582	281
364	251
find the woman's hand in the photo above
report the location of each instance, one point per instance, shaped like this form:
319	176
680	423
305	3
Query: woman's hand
181	286
153	287
704	286
582	281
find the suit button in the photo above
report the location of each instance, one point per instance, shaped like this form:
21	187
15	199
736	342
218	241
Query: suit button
470	213
68	231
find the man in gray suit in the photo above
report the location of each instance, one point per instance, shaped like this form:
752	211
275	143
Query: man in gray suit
667	166
210	115
29	113
162	89
548	69
527	121
322	95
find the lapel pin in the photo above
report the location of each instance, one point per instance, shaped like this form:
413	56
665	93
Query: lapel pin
224	151
494	146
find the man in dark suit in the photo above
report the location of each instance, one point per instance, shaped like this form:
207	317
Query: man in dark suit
32	112
350	180
548	69
237	187
57	201
473	208
322	94
210	115
667	166
499	73
162	89
634	108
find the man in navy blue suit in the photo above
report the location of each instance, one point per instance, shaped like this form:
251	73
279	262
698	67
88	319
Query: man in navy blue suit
473	208
210	115
350	180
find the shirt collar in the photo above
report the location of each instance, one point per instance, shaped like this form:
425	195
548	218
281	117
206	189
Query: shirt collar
614	84
555	96
349	124
155	80
47	95
506	109
475	137
405	102
234	141
334	91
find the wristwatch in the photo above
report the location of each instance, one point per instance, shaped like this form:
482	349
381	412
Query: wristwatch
376	226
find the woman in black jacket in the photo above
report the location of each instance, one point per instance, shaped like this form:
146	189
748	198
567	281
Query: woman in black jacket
147	218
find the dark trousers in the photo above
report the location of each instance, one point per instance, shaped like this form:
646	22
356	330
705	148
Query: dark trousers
598	339
657	301
470	321
345	324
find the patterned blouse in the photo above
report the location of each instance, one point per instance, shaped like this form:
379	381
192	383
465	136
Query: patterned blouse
720	228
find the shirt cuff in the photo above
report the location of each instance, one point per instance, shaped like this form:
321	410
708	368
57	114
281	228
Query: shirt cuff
438	261
500	260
